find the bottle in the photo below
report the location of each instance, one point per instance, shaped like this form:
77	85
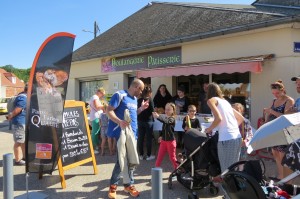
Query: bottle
188	121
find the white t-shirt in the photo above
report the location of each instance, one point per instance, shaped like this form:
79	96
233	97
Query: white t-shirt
228	127
94	114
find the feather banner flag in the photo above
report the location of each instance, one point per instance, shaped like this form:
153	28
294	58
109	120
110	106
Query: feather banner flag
47	88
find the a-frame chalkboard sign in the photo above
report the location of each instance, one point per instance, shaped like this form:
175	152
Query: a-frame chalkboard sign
76	146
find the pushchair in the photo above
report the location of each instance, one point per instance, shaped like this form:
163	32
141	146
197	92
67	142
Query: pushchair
199	165
247	180
244	180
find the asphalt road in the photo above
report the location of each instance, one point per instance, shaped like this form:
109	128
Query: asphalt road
3	121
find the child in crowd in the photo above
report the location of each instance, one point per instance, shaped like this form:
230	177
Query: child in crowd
103	121
191	121
167	138
245	130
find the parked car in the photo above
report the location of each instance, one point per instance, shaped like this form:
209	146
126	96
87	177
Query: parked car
3	105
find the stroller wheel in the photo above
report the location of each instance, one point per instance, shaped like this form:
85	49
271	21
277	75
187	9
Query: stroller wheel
192	196
213	190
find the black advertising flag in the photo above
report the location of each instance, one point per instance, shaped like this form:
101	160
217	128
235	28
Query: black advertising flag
47	89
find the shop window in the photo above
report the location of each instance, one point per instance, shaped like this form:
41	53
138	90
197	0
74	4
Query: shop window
236	88
193	86
88	89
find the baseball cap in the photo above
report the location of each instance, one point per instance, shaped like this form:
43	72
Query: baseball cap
295	78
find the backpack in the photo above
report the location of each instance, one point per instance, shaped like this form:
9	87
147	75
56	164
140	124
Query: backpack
11	104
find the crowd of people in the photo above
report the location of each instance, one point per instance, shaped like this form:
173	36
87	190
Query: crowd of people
134	111
234	130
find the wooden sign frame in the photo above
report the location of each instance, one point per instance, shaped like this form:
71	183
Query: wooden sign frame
61	168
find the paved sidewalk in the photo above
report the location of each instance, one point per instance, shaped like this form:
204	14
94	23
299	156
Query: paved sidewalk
82	183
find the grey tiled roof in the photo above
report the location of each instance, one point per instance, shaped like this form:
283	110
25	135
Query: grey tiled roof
279	2
159	24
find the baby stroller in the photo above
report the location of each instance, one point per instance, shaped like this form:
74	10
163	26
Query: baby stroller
246	180
200	163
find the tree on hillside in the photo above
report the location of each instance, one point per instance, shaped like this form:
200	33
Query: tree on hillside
22	74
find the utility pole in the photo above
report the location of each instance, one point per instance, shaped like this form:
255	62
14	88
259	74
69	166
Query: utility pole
96	29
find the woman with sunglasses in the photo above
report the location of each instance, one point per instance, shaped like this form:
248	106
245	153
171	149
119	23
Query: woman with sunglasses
280	105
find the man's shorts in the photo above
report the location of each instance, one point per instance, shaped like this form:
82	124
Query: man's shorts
19	133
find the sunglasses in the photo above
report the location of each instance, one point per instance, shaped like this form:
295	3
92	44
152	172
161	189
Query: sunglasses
275	86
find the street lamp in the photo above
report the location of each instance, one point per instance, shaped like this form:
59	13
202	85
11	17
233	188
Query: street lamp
96	30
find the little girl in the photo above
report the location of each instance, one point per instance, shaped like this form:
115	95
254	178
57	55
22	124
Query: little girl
167	138
190	121
245	130
103	121
193	120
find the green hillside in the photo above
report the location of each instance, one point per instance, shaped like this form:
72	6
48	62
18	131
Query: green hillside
22	74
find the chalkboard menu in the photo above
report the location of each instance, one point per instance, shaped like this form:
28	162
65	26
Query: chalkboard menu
75	143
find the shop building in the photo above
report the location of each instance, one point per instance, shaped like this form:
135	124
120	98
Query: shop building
244	48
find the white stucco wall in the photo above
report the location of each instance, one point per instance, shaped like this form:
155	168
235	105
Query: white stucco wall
90	71
277	40
268	41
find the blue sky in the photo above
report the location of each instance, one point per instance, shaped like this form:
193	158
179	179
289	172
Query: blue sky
25	25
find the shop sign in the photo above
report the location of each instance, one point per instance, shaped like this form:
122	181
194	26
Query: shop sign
296	47
142	61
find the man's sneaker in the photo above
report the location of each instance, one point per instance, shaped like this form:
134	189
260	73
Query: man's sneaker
21	162
151	157
141	157
112	191
132	191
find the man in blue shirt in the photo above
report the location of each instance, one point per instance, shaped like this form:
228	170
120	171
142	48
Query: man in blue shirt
121	100
297	102
17	116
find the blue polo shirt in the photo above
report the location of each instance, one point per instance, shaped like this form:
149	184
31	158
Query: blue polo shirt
121	100
20	102
297	104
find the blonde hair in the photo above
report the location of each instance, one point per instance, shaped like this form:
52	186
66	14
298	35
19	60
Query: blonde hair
105	104
101	89
173	107
239	106
192	107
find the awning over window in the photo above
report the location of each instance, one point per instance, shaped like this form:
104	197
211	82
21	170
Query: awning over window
239	65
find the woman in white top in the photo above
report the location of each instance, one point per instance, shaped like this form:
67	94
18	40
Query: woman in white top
96	108
226	122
